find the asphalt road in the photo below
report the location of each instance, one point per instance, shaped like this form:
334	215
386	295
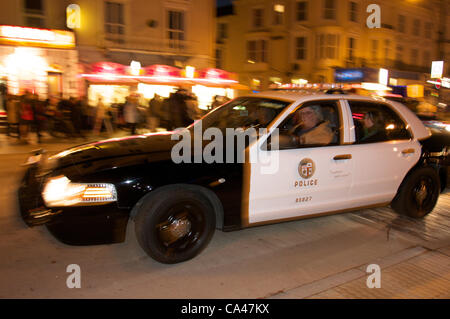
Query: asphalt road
324	257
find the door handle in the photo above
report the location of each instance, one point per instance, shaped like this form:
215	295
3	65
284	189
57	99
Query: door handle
342	157
408	151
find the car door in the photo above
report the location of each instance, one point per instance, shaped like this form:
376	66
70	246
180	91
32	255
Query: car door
301	180
382	157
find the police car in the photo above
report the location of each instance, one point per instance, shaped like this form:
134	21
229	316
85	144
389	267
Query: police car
312	154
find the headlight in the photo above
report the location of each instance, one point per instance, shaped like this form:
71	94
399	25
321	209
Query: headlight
60	191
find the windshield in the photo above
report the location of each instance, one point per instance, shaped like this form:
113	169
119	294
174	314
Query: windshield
245	112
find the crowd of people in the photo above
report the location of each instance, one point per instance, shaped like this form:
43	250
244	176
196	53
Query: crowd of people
74	118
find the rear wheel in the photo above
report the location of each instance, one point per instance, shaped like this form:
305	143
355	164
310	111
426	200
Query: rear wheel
175	224
418	193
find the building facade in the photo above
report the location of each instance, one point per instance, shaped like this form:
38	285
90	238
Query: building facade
269	41
169	32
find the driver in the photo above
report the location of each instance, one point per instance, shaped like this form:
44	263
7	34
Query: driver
314	130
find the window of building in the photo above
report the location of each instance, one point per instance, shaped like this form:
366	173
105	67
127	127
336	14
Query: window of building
374	50
387	49
114	21
328	45
329	9
377	122
175	28
428	30
353	13
34	13
302	11
414	56
399	53
258	17
416	27
351	49
257	51
426	58
300	48
219	57
278	13
222	30
401	23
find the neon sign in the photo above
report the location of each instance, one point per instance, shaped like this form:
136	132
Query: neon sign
36	37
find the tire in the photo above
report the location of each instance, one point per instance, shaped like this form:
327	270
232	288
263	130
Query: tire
175	223
418	193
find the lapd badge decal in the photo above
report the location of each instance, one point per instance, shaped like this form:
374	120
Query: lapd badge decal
306	168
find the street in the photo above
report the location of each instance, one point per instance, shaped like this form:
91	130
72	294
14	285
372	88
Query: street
324	257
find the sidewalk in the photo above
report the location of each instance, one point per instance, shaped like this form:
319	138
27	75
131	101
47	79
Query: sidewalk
411	273
11	145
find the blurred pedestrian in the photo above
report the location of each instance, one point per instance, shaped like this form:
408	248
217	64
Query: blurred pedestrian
154	112
130	114
12	108
76	116
102	118
178	110
27	116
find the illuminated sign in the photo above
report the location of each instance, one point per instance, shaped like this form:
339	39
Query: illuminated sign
349	75
73	16
383	76
437	67
135	68
14	35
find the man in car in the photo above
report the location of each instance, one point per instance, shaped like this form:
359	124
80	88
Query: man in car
313	129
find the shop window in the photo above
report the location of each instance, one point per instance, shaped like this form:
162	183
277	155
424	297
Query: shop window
114	21
176	28
302	11
376	122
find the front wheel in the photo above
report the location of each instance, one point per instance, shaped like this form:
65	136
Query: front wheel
175	224
418	193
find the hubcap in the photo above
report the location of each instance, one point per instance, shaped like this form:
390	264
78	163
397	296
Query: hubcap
175	229
180	227
421	193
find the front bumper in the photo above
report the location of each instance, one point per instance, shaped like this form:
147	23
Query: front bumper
81	225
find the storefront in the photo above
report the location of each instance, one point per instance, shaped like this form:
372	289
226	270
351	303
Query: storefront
42	61
114	82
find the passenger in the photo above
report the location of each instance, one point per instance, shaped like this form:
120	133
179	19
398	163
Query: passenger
314	130
373	128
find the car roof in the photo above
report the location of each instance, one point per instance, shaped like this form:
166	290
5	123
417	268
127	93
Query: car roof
419	130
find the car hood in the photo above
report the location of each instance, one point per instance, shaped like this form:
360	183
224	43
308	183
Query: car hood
115	147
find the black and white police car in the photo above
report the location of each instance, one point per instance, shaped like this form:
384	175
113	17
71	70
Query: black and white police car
333	153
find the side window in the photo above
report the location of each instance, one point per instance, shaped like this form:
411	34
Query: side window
376	122
312	124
